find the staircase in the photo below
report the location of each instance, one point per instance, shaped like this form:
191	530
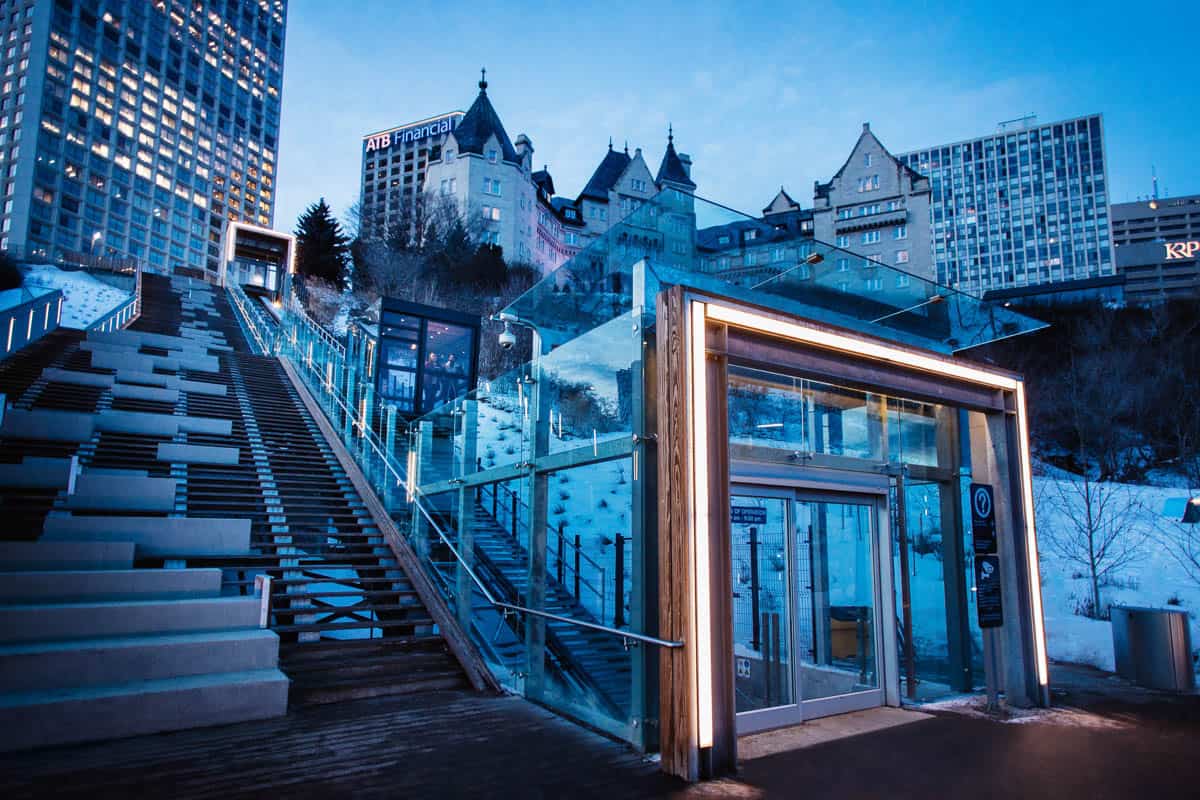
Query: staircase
91	648
172	440
594	659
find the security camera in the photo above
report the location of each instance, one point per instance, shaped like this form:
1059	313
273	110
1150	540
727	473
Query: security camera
507	338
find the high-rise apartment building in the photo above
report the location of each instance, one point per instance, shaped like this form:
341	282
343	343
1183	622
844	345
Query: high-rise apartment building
1023	206
138	127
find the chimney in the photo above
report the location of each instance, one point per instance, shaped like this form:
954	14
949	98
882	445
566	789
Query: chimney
866	127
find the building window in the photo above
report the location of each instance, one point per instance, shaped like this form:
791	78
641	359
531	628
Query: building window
868	184
843	265
491	186
874	284
870	237
492	213
866	159
445	185
722	239
901	256
901	232
843	241
639	185
902	281
449	155
492	156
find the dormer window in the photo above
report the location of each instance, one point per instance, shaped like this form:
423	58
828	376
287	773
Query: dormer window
492	156
449	155
639	185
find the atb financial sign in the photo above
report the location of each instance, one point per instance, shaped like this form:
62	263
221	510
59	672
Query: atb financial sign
413	133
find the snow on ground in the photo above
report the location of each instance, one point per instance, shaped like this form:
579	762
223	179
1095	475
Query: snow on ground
1156	580
976	706
85	299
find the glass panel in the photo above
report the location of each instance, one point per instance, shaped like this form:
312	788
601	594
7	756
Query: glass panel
773	410
762	649
912	432
836	598
447	360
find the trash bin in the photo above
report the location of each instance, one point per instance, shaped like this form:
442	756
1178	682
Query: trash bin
1153	647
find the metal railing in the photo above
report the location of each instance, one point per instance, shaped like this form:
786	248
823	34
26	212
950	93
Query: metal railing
556	561
288	346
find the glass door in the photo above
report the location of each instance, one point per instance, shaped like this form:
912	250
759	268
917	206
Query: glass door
805	604
837	641
763	590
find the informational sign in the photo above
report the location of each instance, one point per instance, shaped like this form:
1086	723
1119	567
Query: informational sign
988	594
748	515
983	519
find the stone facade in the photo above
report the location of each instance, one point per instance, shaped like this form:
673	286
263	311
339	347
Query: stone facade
876	206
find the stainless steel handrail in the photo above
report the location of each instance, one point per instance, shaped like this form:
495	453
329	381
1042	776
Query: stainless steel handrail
626	636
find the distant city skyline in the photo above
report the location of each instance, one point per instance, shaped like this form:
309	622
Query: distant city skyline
760	98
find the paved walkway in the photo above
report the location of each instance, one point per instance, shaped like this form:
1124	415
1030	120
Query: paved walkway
1106	740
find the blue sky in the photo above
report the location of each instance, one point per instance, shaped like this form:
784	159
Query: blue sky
760	94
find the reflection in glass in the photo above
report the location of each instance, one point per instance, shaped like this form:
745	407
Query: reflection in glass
836	600
447	363
762	650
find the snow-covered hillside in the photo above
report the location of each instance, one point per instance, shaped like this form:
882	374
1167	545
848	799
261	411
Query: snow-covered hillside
1155	579
85	299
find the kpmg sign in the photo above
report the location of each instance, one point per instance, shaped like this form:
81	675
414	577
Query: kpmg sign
413	133
1180	250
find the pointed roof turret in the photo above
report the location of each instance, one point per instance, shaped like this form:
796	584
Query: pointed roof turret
606	175
480	123
672	170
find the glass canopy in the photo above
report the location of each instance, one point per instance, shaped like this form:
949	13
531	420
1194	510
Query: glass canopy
676	238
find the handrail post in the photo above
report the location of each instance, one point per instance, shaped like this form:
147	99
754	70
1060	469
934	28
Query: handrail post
561	553
495	487
619	580
577	566
513	518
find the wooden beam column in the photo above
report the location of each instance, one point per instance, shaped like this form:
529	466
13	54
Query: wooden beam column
693	744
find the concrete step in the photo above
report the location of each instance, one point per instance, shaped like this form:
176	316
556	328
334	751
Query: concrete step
77	378
65	555
148	424
197	454
133	391
122	493
78	586
123	659
155	536
60	621
48	717
35	472
47	425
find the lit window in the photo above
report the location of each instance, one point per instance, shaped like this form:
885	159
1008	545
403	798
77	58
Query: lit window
901	256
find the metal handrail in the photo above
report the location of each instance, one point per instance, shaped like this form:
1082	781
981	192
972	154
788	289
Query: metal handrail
599	592
625	635
416	499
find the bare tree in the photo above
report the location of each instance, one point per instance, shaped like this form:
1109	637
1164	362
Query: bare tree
1096	528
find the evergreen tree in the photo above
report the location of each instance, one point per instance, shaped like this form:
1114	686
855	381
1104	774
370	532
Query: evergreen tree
11	276
322	249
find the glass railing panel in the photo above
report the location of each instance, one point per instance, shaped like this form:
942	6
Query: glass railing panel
590	386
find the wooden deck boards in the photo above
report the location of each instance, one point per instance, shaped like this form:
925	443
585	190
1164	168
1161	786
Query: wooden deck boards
441	744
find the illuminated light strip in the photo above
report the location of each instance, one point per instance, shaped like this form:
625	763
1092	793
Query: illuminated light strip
702	633
859	347
1031	551
46	318
29	326
870	349
59	319
8	346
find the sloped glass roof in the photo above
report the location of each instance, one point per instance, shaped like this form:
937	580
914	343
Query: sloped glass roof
677	238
